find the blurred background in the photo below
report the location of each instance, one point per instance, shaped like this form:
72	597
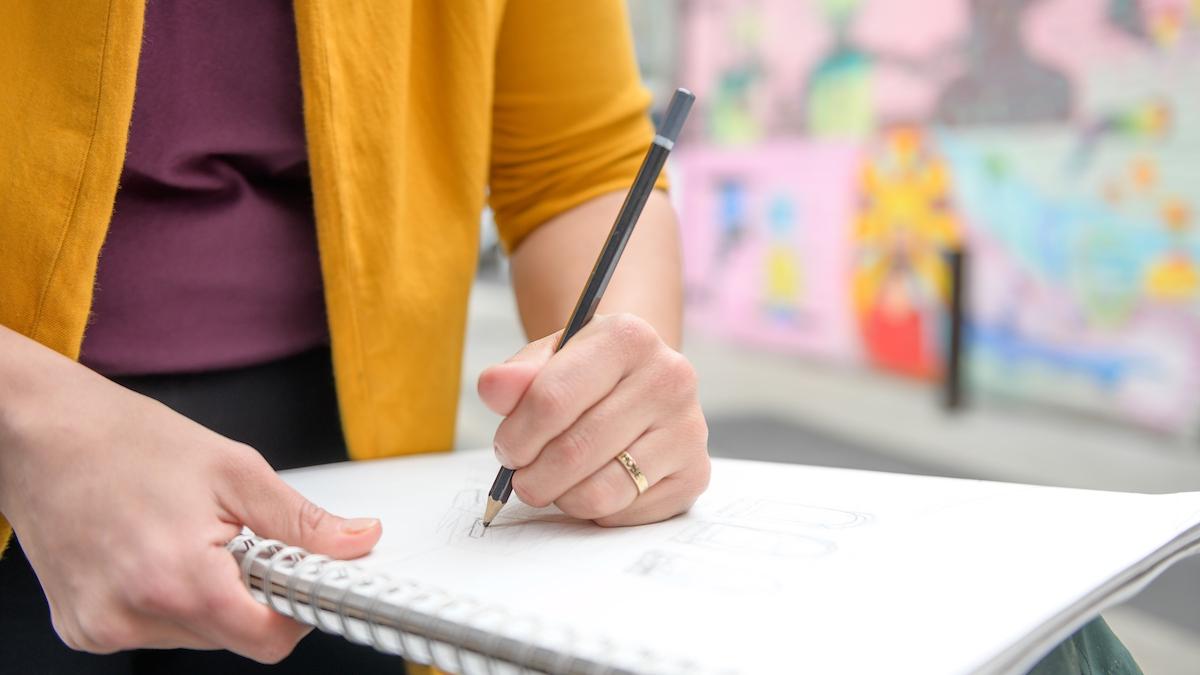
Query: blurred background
843	153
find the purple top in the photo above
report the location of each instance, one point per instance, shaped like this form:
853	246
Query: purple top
211	257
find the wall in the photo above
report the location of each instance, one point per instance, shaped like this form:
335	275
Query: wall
840	147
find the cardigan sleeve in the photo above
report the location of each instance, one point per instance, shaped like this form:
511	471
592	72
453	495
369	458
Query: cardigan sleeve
5	534
570	115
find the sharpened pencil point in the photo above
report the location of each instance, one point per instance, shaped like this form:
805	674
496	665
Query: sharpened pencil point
493	508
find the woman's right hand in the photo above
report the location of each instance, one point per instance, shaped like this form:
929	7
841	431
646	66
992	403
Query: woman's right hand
123	508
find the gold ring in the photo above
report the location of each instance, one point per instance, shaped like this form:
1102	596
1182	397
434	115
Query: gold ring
631	467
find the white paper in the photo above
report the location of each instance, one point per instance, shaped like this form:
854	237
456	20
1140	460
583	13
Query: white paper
778	568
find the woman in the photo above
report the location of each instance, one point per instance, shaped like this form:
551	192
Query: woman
156	165
156	162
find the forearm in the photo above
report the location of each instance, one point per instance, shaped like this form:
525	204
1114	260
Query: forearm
552	264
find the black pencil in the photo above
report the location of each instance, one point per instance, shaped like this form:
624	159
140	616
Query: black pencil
606	263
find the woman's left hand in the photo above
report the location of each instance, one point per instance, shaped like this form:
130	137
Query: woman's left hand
615	386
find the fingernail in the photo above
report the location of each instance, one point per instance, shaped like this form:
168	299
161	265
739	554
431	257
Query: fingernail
500	455
358	525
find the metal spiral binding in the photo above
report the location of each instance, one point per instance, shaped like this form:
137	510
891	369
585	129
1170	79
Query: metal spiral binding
460	634
448	603
338	581
356	580
333	582
373	621
404	637
328	573
297	609
292	554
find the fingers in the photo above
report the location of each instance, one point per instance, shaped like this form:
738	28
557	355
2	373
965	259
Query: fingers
583	373
235	621
593	440
611	489
194	602
616	385
669	498
258	498
501	386
676	465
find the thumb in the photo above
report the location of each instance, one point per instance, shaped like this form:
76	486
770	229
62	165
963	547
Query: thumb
501	386
274	510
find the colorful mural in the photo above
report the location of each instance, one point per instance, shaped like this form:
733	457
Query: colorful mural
903	227
847	145
763	269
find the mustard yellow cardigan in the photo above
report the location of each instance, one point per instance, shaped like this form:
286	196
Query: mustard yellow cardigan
416	111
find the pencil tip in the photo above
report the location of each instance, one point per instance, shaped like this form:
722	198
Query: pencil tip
493	508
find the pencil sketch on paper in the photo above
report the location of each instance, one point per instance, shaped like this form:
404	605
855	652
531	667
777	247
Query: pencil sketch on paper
792	513
464	509
744	540
689	572
518	526
477	529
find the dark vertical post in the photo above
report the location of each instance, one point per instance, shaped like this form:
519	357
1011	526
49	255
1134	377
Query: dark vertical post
953	367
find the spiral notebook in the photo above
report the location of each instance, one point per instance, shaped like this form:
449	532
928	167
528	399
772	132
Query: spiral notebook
777	568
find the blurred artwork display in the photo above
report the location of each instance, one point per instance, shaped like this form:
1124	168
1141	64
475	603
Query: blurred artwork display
1072	300
1003	82
766	271
903	226
737	98
838	91
848	144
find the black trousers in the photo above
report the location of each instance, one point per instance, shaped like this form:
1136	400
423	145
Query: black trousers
288	411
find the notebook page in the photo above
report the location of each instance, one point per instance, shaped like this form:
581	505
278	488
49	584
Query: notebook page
776	567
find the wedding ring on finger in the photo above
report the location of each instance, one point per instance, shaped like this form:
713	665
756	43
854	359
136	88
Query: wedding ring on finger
631	467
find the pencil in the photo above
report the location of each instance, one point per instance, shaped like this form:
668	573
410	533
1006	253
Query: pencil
606	263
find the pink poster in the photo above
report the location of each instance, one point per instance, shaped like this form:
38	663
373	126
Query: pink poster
766	246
